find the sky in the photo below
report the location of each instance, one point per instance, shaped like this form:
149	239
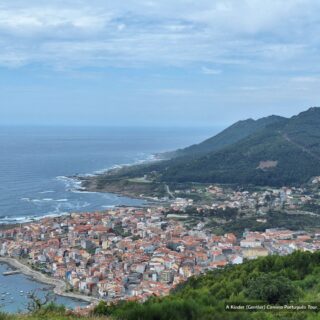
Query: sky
157	63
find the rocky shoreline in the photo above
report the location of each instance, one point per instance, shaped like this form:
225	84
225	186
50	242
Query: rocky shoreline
58	284
150	192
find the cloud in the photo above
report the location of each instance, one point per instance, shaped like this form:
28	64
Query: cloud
174	92
78	33
210	71
307	80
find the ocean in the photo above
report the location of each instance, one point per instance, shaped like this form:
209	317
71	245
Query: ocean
15	290
35	166
36	163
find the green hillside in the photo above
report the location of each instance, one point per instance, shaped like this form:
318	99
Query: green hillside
284	153
229	136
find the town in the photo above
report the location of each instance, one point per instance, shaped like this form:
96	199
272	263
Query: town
260	199
134	253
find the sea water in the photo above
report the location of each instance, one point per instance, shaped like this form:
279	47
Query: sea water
15	291
36	163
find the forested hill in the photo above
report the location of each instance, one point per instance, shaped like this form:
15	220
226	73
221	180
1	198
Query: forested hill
283	153
227	137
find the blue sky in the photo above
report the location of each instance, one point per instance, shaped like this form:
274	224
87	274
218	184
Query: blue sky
164	62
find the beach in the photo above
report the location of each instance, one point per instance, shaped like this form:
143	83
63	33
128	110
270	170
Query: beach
59	286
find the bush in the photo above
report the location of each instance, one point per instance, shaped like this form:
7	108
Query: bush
272	289
103	309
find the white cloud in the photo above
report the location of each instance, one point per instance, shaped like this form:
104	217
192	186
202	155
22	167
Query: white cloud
306	79
275	33
121	26
210	71
174	92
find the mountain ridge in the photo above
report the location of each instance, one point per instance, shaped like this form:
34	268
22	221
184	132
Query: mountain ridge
278	152
293	144
228	136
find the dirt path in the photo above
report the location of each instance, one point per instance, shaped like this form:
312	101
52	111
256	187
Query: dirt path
303	148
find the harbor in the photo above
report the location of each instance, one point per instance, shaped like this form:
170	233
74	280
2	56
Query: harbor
10	273
16	288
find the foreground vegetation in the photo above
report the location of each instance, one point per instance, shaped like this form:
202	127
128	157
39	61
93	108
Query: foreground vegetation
48	312
273	280
47	316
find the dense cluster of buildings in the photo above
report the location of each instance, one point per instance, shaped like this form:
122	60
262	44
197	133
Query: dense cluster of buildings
118	254
277	241
131	253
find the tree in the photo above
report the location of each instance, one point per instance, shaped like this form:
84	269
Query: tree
103	309
272	289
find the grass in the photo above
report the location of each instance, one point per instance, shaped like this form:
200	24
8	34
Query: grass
48	316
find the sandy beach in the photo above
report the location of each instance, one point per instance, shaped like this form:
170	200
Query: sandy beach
58	284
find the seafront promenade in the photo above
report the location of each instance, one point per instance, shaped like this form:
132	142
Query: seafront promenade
59	286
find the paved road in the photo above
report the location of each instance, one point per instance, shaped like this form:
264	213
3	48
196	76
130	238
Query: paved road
169	192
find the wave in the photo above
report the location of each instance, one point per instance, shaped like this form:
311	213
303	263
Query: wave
36	200
74	185
83	191
146	159
64	206
26	219
71	184
68	180
55	207
43	200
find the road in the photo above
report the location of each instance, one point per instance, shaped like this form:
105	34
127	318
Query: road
169	192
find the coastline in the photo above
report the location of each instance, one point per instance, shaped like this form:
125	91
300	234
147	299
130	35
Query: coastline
150	193
59	286
88	182
82	183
